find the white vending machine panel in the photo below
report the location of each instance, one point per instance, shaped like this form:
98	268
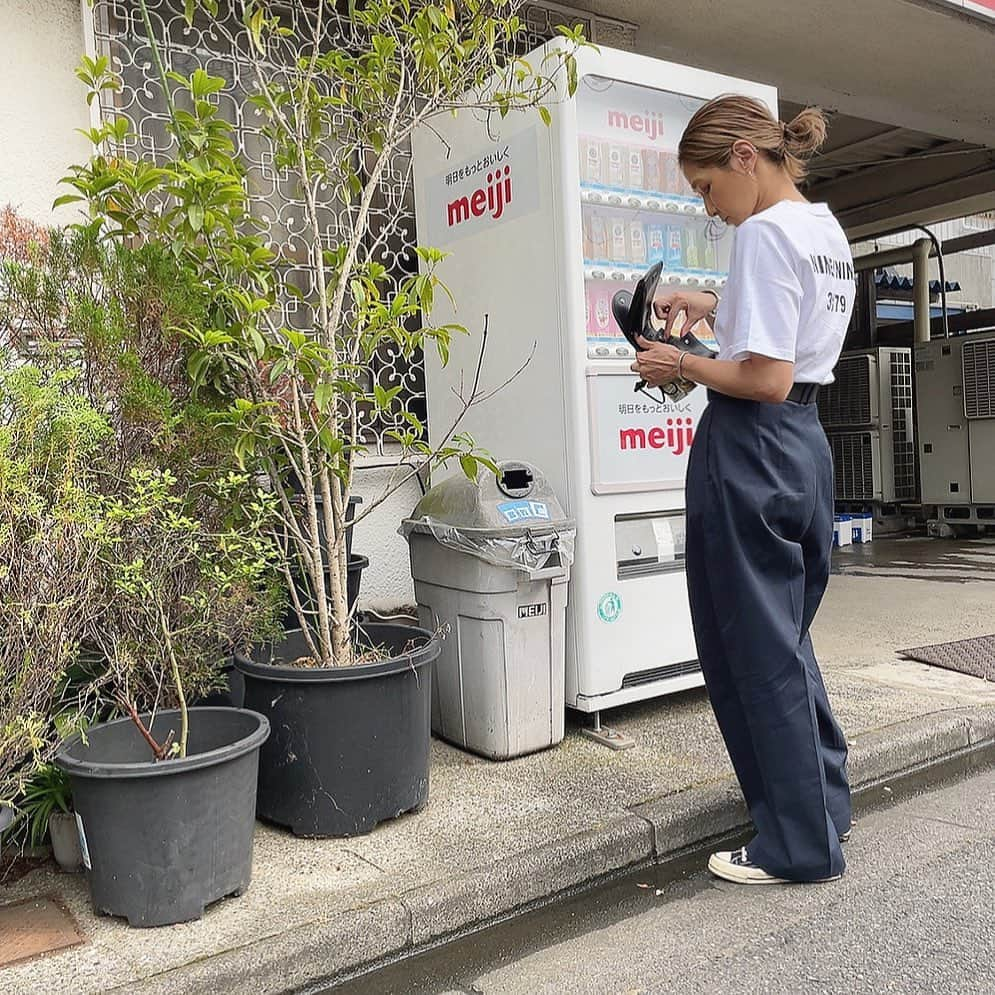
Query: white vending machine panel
543	225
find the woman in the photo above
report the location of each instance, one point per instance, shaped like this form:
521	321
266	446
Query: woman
760	481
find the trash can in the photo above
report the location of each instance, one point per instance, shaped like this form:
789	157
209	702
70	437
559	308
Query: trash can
490	560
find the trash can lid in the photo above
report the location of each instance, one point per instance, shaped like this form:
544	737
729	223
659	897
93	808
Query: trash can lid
518	499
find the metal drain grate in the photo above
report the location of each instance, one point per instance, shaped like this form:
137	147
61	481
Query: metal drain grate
975	657
34	927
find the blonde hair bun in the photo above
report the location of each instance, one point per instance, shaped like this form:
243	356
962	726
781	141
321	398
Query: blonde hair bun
719	124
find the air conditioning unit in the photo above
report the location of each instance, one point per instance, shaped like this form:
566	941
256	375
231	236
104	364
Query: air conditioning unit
868	417
955	396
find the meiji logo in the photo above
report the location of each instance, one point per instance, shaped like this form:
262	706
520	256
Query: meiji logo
492	198
677	436
649	124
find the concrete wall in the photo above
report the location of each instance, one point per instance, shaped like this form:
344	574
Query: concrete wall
387	582
41	103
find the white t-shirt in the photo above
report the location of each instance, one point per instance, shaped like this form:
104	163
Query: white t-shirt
790	290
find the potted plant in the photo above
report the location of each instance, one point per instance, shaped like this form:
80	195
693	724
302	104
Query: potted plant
126	532
46	807
340	89
165	796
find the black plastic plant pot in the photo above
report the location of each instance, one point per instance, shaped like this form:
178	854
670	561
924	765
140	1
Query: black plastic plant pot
161	841
350	745
354	579
350	514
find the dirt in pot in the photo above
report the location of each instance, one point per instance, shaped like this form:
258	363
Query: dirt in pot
360	657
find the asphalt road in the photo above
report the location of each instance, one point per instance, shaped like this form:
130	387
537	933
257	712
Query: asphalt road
915	913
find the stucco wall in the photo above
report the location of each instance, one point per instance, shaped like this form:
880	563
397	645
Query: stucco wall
41	103
387	582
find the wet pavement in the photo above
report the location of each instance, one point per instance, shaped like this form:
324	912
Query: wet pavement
919	558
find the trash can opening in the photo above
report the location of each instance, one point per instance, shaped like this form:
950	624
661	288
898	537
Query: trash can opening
516	481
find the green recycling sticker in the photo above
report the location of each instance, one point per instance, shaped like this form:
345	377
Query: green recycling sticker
609	607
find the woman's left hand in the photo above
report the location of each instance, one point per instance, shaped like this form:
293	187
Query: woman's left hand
657	364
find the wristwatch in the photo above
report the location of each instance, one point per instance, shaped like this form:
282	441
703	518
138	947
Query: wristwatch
711	314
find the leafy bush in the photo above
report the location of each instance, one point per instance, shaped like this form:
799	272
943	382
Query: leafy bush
50	445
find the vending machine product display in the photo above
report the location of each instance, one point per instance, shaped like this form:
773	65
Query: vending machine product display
543	225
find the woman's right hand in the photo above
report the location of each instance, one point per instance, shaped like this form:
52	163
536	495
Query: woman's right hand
693	304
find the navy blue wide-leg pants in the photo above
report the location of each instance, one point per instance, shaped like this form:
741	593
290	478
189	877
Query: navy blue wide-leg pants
759	538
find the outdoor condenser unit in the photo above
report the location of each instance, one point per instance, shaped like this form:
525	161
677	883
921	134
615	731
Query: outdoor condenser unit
867	415
955	394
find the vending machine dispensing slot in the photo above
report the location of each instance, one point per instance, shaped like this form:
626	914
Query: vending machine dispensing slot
649	543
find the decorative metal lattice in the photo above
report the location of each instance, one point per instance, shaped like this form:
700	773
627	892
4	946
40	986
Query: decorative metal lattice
220	46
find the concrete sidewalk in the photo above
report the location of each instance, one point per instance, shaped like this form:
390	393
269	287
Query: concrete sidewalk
497	837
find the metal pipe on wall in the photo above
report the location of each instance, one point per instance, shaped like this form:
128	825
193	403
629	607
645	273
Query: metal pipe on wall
918	254
921	249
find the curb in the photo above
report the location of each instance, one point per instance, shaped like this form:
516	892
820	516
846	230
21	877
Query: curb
311	957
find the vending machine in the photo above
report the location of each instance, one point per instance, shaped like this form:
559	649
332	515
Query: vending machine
542	225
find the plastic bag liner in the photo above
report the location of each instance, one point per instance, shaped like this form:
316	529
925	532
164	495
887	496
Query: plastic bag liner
511	520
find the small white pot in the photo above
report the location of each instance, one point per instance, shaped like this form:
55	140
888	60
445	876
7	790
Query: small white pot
65	841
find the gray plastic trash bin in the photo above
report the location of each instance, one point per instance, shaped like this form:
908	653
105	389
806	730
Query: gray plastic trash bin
490	561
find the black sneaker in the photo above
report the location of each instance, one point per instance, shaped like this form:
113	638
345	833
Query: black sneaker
737	867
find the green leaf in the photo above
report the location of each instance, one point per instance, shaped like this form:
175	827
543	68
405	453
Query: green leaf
256	29
196	364
258	343
547	118
490	464
322	395
195	215
330	443
469	465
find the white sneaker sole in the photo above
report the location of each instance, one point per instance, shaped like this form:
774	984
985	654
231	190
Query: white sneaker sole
741	875
754	875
